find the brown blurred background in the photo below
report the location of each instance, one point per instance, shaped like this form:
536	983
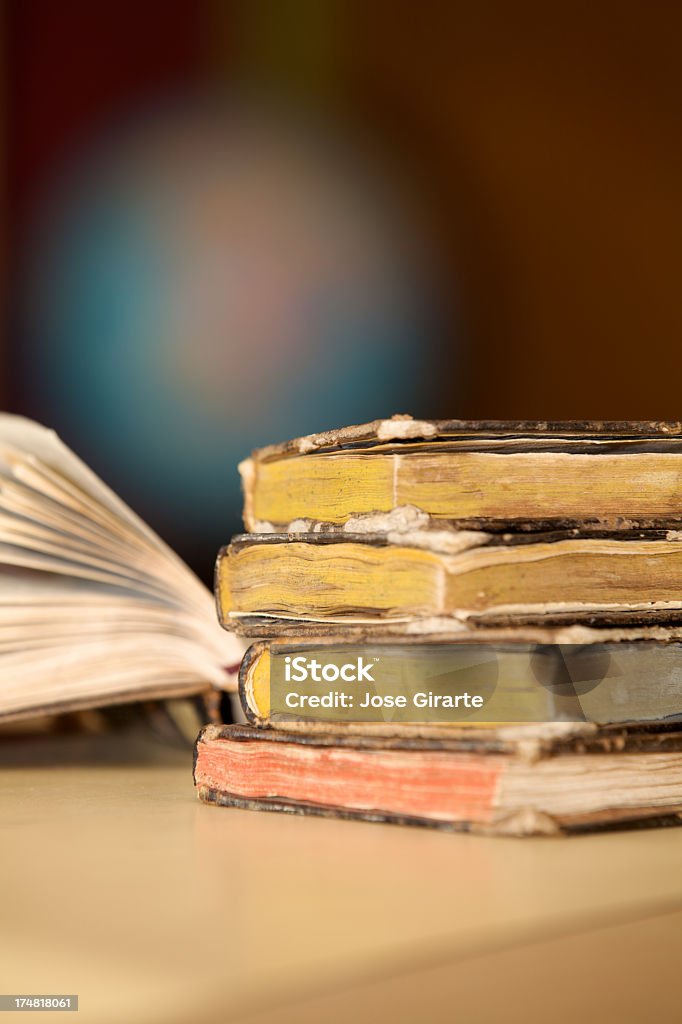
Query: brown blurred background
523	161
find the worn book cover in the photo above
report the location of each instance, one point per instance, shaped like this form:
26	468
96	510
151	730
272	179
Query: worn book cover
264	582
569	777
522	475
431	686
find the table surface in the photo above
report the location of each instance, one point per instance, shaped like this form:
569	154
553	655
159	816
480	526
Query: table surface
117	885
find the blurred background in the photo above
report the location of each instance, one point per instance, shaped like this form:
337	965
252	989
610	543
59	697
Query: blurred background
230	223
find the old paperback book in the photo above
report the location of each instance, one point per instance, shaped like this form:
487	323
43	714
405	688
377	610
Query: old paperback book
489	474
332	580
566	778
418	686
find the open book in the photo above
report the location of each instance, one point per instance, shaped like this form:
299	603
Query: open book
94	608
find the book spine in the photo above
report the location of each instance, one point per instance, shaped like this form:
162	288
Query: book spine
251	657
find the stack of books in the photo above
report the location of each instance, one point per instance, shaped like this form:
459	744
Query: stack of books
466	625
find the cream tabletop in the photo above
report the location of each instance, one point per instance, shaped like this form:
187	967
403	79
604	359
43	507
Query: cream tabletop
118	886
